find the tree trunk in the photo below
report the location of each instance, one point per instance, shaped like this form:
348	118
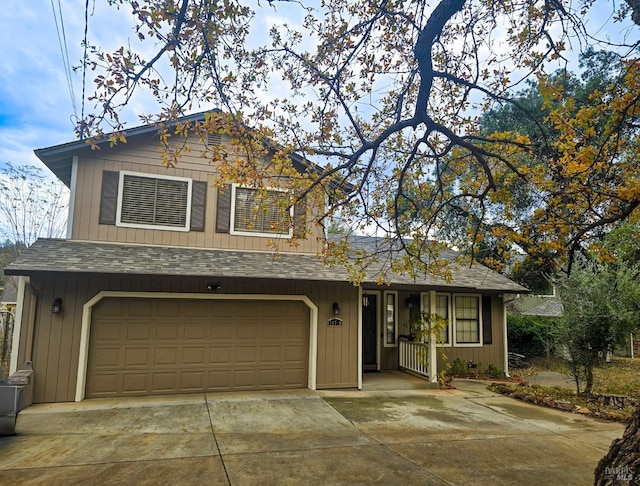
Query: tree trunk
588	389
621	465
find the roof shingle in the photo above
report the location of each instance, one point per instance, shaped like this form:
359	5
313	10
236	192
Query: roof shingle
68	256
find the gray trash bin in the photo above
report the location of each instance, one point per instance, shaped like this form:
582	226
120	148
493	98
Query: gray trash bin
16	394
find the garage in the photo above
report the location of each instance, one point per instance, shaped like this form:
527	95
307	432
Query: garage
146	346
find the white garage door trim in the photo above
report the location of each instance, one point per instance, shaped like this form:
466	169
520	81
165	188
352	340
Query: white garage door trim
87	308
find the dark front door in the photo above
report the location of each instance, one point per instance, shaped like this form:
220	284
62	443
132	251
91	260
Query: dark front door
369	333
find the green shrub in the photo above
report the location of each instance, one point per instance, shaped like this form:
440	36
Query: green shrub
524	335
458	368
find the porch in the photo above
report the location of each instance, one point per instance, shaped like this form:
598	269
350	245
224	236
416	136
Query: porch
394	380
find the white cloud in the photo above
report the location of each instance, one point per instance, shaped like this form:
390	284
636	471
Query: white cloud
35	106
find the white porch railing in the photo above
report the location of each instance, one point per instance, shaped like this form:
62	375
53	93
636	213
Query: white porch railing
413	356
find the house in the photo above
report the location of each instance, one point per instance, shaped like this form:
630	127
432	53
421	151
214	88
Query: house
8	295
162	287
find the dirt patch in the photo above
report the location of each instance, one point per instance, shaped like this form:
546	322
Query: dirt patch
619	409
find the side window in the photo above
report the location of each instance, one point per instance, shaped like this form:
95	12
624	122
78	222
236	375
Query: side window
443	310
390	313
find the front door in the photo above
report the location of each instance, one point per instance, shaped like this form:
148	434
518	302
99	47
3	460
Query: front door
369	332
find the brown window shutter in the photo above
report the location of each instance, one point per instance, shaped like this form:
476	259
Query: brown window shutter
109	197
299	220
487	330
223	209
198	205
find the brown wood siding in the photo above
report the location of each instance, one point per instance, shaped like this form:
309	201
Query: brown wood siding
484	355
56	342
145	158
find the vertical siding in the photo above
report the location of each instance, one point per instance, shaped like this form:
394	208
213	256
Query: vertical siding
337	345
484	355
56	344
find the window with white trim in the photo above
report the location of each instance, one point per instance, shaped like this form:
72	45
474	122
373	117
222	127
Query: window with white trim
260	212
467	314
153	202
443	310
390	313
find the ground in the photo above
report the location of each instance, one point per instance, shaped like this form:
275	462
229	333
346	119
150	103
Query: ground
396	431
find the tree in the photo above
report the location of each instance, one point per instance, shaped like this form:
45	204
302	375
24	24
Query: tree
8	252
568	196
31	207
601	301
388	96
621	465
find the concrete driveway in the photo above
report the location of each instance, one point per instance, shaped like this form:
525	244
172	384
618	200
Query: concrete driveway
390	435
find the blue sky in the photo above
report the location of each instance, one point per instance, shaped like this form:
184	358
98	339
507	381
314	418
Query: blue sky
35	106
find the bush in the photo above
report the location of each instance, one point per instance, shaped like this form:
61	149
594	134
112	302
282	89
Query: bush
524	335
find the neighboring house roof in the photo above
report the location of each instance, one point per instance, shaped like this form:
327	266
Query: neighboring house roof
548	308
536	305
10	292
51	255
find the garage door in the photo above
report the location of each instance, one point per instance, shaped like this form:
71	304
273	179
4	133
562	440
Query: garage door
168	346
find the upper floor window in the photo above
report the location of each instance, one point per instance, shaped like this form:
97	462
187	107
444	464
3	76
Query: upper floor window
148	201
157	202
260	212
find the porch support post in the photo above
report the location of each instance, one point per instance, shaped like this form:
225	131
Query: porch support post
433	357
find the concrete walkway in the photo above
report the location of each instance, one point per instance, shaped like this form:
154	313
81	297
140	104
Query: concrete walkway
552	379
402	434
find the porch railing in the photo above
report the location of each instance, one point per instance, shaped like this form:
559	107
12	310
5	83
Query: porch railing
413	356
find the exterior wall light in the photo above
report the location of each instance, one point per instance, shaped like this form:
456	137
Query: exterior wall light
56	307
336	309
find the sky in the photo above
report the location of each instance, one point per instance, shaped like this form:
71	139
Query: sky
35	105
36	109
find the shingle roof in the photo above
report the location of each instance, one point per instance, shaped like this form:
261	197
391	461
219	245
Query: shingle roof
51	255
548	308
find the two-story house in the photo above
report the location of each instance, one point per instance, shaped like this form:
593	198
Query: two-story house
167	284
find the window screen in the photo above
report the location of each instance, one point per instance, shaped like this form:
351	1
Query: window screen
153	201
260	211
